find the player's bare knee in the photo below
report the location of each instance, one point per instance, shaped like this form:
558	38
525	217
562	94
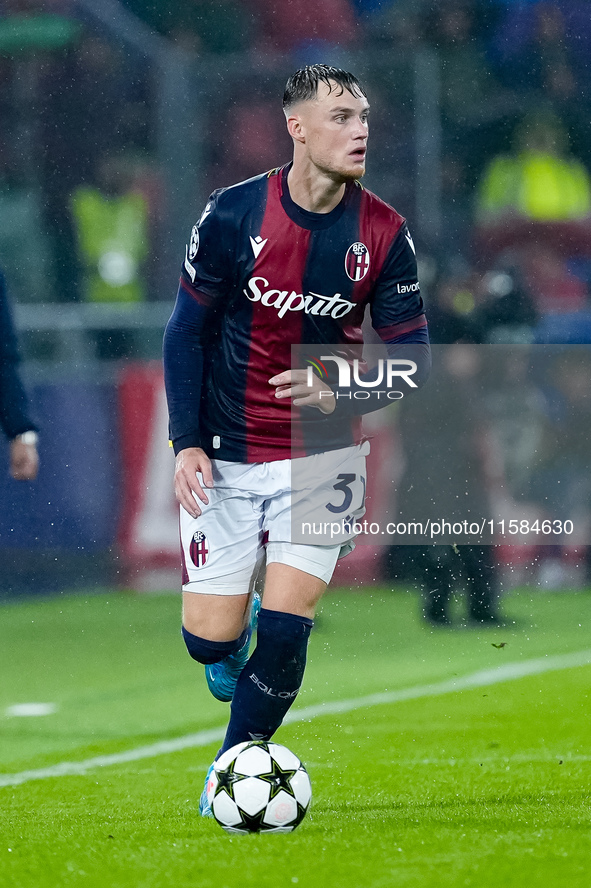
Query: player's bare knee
213	625
216	618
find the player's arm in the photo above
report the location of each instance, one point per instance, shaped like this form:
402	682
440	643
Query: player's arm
183	353
203	280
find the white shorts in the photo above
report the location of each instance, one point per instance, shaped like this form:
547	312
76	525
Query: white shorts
259	508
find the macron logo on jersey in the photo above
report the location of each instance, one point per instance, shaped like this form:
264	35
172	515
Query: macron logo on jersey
257	244
284	301
205	214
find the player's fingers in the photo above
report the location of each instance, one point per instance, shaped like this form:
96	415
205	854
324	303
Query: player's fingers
296	391
324	401
188	504
190	464
289	377
307	400
206	471
300	377
185	497
283	378
303	391
194	485
283	391
188	483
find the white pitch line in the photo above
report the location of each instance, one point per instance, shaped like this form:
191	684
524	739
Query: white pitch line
482	678
30	710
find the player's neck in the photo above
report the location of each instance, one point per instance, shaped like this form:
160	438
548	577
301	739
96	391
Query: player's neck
314	190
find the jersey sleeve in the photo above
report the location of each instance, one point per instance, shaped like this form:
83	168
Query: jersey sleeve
396	305
206	276
209	255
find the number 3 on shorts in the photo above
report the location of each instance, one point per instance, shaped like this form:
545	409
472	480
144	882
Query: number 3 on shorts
344	484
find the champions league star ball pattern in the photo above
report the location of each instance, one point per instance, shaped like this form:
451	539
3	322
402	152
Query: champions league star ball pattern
259	787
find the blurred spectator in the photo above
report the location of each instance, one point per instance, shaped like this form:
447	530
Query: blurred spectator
539	180
15	418
472	107
96	102
35	39
534	205
467	84
515	403
445	570
111	227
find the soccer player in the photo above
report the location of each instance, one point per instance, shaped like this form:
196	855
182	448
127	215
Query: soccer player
15	419
292	256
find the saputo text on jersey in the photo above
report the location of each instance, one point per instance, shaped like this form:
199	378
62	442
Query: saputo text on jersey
284	301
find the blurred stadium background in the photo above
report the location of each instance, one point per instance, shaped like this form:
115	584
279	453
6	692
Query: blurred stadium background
119	118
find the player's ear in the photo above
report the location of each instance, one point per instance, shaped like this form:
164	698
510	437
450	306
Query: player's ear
295	128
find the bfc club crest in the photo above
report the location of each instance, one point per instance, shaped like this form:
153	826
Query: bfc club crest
357	261
198	549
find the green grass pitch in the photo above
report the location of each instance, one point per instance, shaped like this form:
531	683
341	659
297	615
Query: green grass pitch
481	787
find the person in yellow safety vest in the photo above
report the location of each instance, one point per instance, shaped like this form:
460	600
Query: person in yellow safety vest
111	227
540	181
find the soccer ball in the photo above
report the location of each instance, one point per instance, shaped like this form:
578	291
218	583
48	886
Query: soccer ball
259	787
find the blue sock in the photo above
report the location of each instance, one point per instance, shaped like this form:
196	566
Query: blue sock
207	652
271	679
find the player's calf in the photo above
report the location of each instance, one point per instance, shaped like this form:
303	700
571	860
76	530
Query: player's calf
272	678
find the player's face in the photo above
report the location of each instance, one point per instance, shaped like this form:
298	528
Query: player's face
335	128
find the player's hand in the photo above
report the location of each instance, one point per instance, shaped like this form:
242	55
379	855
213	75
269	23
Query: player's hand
24	461
294	384
186	483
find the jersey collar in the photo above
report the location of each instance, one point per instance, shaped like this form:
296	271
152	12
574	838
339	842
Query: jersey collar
304	218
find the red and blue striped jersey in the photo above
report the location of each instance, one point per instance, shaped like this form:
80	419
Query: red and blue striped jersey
260	275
